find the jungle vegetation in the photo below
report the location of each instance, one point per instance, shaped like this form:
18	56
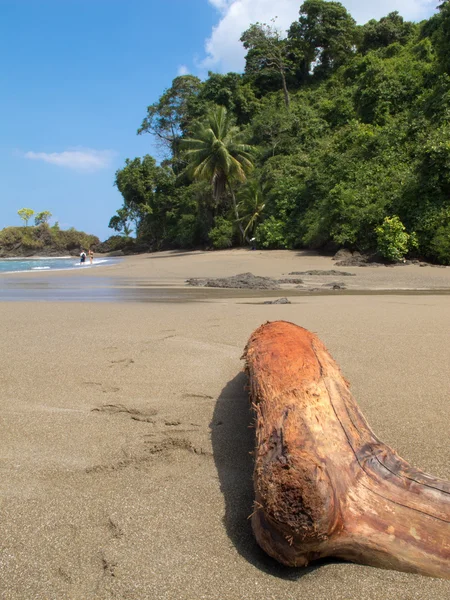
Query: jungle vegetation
43	240
336	135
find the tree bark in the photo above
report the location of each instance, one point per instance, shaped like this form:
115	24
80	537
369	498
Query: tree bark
236	212
325	485
287	101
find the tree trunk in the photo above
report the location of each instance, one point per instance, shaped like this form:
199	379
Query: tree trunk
287	101
324	484
236	212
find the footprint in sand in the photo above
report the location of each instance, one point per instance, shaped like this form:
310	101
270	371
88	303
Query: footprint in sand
134	413
124	362
115	529
105	389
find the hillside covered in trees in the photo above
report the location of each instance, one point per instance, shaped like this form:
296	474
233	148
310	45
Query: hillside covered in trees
336	135
43	240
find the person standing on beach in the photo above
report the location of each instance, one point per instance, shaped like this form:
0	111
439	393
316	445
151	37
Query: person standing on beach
91	256
82	257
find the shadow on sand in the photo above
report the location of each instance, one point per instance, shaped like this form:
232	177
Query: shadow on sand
233	441
172	253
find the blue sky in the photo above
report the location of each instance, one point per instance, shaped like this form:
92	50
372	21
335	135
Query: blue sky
76	78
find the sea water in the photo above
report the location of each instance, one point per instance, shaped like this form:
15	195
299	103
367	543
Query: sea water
15	265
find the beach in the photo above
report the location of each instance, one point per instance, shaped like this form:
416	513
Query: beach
126	429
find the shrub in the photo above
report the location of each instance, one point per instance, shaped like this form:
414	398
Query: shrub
31	243
113	244
10	236
393	242
186	231
271	234
440	244
221	235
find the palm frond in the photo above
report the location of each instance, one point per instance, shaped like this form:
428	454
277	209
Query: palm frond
216	152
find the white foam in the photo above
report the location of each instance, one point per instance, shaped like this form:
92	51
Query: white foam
97	261
107	262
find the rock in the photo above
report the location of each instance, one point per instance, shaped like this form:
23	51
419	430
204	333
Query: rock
335	285
241	281
329	272
357	260
290	280
279	301
342	254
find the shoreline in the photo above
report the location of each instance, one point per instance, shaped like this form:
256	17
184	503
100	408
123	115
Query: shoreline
179	295
171	269
102	261
37	257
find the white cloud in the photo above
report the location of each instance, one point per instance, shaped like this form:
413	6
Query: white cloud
224	52
79	159
411	10
183	70
220	4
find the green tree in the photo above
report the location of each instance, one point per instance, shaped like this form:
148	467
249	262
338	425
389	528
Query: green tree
366	137
25	214
216	153
393	240
42	217
138	183
149	196
271	234
274	130
221	235
266	53
229	90
251	206
323	38
122	222
441	35
388	30
169	117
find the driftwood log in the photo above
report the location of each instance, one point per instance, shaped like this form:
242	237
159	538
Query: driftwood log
325	485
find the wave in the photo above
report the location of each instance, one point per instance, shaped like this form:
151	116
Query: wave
68	266
27	258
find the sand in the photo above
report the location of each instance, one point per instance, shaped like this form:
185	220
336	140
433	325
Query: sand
125	465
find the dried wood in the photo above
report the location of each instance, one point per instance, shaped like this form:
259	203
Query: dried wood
325	485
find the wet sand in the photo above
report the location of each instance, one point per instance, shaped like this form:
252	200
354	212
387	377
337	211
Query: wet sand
170	270
125	459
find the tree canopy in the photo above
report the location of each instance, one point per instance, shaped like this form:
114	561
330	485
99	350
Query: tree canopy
42	217
215	153
25	214
267	51
336	134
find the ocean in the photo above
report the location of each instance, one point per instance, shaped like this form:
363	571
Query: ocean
63	263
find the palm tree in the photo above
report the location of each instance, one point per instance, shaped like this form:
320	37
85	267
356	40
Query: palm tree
252	205
215	153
